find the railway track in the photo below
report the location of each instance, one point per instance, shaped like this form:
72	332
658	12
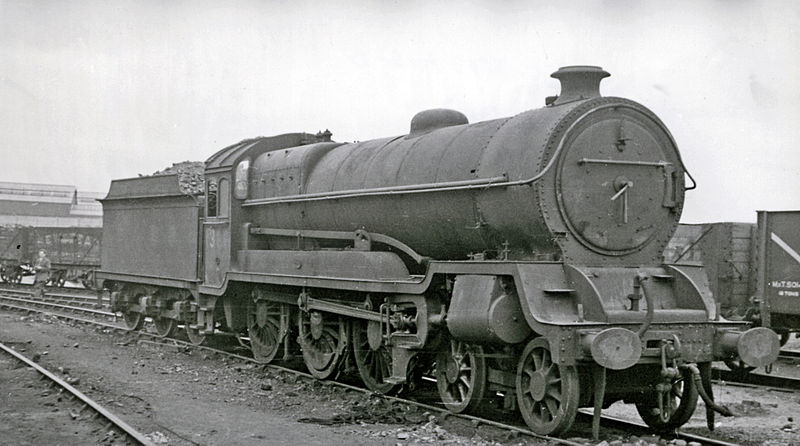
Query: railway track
55	305
630	427
121	427
775	382
790	354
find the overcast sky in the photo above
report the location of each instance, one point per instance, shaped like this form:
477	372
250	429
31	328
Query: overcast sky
91	91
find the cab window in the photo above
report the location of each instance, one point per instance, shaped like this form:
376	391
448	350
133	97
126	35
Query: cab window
211	198
223	198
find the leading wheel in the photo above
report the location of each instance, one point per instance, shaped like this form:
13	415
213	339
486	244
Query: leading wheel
323	339
547	393
165	326
373	358
263	328
461	376
676	405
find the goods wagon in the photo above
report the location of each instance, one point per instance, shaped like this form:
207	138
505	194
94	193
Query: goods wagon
753	269
73	252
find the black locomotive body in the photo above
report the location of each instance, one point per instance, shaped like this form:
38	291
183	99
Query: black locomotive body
521	257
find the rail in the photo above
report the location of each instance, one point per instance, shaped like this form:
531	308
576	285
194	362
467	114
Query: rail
121	425
607	421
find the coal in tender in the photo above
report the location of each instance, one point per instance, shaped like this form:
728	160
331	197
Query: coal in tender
190	176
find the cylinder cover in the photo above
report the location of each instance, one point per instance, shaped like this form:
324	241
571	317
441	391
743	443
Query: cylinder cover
481	310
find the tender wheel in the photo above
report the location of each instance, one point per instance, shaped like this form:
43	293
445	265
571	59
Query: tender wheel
165	327
323	339
194	336
547	393
373	358
263	328
189	318
679	403
461	376
133	320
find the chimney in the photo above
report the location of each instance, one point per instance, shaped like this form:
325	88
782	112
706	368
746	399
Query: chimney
578	82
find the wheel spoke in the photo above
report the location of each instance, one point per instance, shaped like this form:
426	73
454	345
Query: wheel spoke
462	393
537	360
529	372
552	406
543	413
554	392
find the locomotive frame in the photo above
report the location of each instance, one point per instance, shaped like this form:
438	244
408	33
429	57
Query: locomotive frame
521	256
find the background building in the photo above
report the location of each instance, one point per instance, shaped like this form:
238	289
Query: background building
49	205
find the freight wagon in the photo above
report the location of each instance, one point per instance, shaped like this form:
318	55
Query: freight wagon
73	252
753	269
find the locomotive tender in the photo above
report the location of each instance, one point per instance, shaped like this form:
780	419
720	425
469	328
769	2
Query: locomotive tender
521	255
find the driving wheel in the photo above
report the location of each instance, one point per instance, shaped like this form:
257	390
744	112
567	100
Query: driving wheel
263	328
323	339
373	358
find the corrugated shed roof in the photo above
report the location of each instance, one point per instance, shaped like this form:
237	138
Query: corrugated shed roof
26	201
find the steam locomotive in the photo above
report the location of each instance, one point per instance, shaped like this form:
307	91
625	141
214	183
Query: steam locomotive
520	256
